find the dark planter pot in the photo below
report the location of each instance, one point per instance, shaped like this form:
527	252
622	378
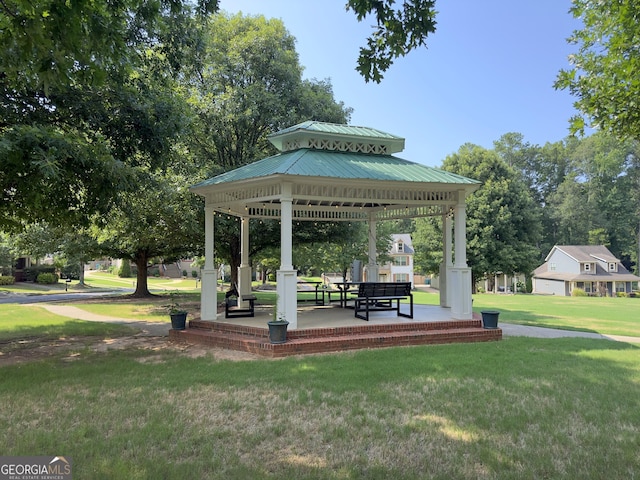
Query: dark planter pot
490	319
178	321
278	332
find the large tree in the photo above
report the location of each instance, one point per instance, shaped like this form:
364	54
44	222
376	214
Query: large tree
248	83
159	221
73	111
502	226
605	68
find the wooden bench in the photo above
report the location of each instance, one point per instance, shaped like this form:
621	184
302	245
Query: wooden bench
231	308
380	296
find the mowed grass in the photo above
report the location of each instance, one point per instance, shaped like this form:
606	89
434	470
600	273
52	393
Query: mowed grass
605	315
108	280
22	321
519	408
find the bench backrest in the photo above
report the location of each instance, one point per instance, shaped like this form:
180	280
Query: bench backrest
384	289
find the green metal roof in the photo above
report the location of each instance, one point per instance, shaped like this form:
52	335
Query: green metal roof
306	135
323	127
344	165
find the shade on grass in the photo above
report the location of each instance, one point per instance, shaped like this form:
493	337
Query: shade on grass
17	321
520	408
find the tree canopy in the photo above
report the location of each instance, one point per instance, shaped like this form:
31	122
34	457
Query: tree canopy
396	32
503	228
605	72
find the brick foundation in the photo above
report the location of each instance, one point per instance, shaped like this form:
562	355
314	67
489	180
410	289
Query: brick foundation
317	340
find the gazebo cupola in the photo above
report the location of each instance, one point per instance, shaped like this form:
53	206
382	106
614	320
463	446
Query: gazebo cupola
336	138
331	172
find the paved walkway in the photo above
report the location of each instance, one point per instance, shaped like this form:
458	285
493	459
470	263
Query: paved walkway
150	329
161	329
509	329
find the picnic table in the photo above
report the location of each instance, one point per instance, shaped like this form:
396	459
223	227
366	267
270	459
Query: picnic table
311	287
344	289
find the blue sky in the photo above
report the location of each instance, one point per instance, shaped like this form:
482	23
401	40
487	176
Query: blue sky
488	70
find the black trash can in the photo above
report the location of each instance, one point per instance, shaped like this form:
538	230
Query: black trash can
490	318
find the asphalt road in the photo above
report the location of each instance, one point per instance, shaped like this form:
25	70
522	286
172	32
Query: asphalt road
24	298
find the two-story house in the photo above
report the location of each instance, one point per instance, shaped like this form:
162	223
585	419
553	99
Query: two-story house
592	268
400	268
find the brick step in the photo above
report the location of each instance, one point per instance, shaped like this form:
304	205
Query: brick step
337	331
333	342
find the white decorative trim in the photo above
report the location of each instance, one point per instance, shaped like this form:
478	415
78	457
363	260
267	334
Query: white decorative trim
335	145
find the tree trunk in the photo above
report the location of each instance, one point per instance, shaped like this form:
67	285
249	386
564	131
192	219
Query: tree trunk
81	275
638	252
142	287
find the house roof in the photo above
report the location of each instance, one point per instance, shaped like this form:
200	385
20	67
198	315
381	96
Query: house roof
585	253
405	238
601	275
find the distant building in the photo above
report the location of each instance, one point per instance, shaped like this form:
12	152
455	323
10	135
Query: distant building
592	268
400	268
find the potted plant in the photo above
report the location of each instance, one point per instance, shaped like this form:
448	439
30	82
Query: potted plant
277	326
177	313
490	318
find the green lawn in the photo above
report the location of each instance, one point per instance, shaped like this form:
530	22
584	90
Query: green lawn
107	280
518	408
18	321
610	315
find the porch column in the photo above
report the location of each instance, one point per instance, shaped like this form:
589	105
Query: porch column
447	261
244	270
460	273
372	268
286	276
209	284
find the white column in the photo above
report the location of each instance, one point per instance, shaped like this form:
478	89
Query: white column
286	276
244	270
209	284
460	274
372	268
447	261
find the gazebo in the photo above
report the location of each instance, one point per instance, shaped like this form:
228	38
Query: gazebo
327	173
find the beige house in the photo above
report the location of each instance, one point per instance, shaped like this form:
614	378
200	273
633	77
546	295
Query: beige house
592	268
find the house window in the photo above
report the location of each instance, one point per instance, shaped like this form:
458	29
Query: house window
620	287
400	247
401	277
402	260
553	266
613	267
587	267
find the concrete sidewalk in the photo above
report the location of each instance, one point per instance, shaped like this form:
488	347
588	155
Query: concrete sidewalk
511	330
149	329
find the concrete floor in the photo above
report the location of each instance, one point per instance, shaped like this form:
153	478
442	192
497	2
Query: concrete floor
310	316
